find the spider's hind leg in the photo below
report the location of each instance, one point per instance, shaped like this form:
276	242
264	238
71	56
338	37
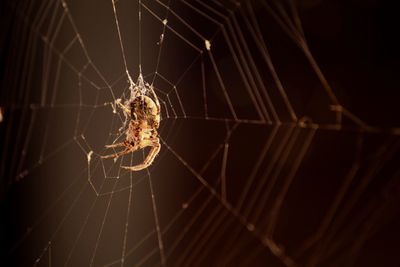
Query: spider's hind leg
148	160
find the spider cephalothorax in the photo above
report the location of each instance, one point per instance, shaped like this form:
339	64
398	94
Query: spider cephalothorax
143	116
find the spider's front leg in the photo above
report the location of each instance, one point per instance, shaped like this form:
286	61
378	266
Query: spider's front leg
155	144
124	108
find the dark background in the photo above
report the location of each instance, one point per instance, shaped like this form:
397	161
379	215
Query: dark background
49	207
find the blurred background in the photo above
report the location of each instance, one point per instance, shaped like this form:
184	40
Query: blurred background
279	133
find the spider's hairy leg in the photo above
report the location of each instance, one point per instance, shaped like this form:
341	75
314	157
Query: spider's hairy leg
149	159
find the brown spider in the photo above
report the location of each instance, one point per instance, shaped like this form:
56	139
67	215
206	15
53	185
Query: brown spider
143	114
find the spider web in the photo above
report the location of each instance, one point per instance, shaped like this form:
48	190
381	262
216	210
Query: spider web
261	162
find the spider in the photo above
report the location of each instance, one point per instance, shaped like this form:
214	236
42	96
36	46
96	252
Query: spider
143	114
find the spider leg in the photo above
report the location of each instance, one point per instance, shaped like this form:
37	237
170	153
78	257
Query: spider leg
124	108
116	155
149	159
115	145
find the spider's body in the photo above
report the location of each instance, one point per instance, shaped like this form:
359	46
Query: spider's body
143	114
145	109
